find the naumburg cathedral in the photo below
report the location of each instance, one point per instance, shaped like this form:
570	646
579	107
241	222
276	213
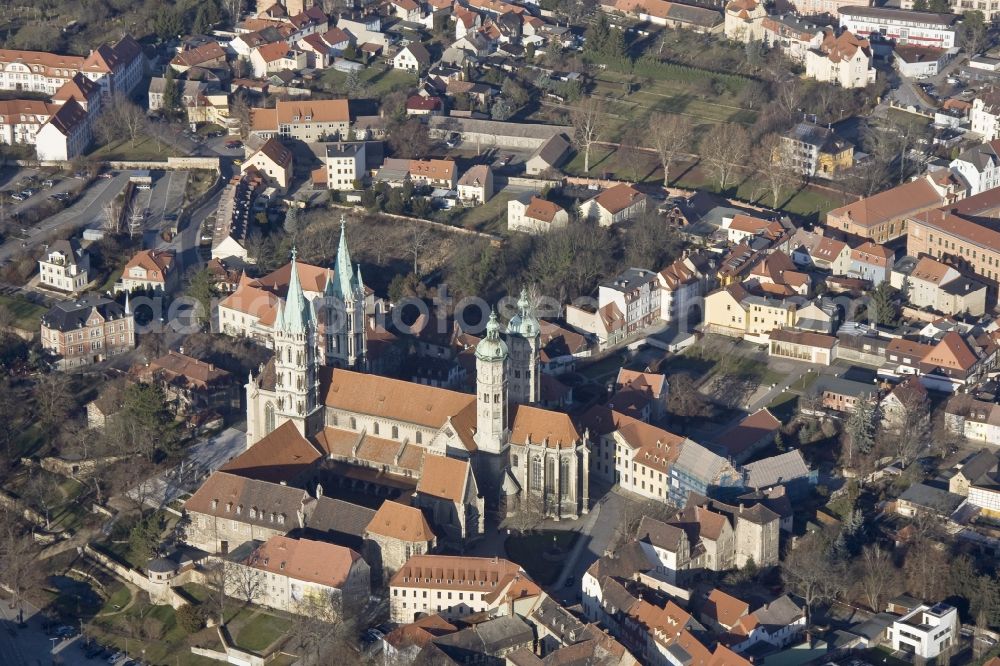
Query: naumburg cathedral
385	427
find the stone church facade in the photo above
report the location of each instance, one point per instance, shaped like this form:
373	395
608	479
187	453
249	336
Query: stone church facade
383	429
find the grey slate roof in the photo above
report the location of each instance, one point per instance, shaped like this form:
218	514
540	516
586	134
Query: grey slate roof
776	469
553	151
659	534
841	386
340	521
488	638
69	315
779	613
931	498
979	466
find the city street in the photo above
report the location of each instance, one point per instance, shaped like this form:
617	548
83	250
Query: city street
30	645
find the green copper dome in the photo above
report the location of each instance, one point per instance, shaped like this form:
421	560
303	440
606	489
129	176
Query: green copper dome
491	347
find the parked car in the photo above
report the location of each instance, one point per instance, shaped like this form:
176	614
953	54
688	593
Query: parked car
107	175
48	183
17	196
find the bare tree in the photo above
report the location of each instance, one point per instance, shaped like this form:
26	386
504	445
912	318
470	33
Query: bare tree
670	136
113	217
240	110
774	166
725	151
121	117
811	572
42	493
19	568
53	399
907	427
322	628
420	237
589	124
877	575
244	583
527	515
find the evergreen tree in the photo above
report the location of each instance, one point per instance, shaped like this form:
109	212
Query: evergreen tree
882	309
860	427
202	289
168	24
939	6
920	5
171	95
200	25
598	34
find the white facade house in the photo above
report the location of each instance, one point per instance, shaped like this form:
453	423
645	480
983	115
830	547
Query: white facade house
634	293
65	267
65	135
534	215
979	166
984	118
926	630
412	58
901	26
345	164
614	205
844	60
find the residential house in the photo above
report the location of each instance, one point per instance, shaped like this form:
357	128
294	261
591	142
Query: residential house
643	455
534	215
741	227
896	406
753	433
630	300
814	250
209	55
951	364
614	205
453	587
301	576
669	14
276	57
476	184
843	59
118	67
979	469
682	286
921	499
813	150
926	631
65	266
274	161
345	165
150	270
941	288
306	120
701	471
87	330
189	385
841	394
984	117
744	19
792	34
871	262
412	58
549	156
397	532
973	419
979	166
883	217
642	395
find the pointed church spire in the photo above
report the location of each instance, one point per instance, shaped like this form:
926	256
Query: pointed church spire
294	316
342	266
361	283
128	310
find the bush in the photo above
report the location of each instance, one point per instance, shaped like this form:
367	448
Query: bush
190	618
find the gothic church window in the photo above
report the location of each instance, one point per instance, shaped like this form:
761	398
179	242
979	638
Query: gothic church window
536	473
550	475
564	477
268	418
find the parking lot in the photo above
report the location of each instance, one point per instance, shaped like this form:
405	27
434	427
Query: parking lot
163	198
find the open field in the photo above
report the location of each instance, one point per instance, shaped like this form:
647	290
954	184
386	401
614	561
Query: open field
376	81
145	148
25	314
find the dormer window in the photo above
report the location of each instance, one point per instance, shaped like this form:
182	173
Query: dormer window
229	507
215	504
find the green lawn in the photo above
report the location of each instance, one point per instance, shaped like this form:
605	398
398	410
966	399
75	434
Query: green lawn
260	632
491	217
527	551
378	80
25	313
118	600
605	366
145	149
199	593
804	383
